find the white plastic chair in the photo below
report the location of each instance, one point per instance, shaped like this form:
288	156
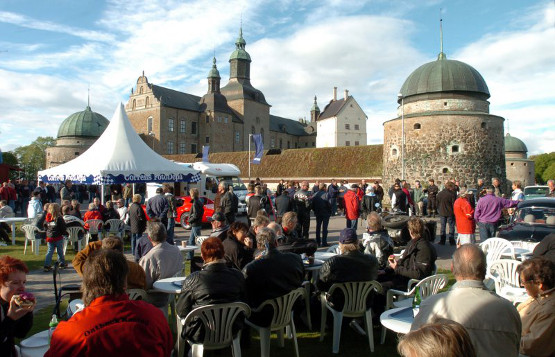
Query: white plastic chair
95	227
137	294
355	294
217	320
334	249
507	281
282	318
73	237
200	239
428	286
30	232
495	248
116	227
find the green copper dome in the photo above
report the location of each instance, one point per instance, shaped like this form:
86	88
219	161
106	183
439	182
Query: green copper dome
86	123
214	73
240	52
513	144
444	75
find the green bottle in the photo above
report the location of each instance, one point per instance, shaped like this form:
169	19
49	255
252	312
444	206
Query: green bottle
416	301
52	326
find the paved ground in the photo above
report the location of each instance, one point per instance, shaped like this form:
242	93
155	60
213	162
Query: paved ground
41	284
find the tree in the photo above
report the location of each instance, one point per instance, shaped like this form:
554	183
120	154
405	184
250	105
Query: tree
549	173
9	158
542	163
32	157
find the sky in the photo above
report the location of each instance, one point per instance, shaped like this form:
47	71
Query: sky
52	53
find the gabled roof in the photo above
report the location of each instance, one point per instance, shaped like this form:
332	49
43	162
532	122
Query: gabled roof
175	99
218	103
288	126
332	109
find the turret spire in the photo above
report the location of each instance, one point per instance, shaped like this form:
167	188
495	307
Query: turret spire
441	55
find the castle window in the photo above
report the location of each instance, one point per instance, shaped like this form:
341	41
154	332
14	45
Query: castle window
225	120
357	127
357	143
193	148
417	126
141	90
207	140
444	104
134	103
147	101
280	143
288	144
524	164
182	126
313	143
219	119
170	125
296	145
445	170
394	151
237	136
170	148
305	145
512	164
272	142
182	148
148	122
347	143
207	119
253	130
347	127
76	153
455	149
483	125
194	128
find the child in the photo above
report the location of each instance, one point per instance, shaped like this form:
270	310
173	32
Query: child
55	229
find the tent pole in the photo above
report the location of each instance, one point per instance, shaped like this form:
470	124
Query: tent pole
102	194
250	157
133	189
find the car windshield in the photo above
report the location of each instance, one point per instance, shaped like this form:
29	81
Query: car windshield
536	215
536	191
234	181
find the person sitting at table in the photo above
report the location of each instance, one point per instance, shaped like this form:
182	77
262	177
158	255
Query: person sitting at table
109	213
111	324
238	247
15	321
416	262
491	321
537	313
135	278
349	265
99	205
75	209
216	283
270	275
5	210
92	213
219	227
162	261
258	223
441	338
291	241
376	241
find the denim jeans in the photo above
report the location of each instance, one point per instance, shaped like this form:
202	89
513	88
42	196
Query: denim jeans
170	230
352	223
322	226
195	232
333	202
451	222
134	238
487	230
59	247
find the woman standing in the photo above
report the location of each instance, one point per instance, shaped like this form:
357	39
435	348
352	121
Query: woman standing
195	217
137	221
15	320
55	227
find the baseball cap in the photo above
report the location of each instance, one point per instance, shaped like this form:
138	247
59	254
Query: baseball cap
347	236
159	190
218	216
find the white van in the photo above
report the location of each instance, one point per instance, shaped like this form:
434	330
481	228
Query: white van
210	176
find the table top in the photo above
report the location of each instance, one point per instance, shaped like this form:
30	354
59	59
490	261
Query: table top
398	320
189	248
36	345
316	266
13	219
324	255
169	285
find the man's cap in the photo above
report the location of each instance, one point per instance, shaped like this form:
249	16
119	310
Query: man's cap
218	216
348	236
159	190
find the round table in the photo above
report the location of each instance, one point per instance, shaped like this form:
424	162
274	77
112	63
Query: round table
35	346
324	255
398	320
169	285
187	249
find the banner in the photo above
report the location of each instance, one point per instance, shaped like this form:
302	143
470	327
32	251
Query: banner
1	159
259	148
205	153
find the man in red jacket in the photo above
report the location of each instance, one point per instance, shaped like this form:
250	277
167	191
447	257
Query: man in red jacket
352	204
464	217
111	324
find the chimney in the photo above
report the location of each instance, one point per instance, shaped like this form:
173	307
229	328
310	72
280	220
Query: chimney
334	93
346	94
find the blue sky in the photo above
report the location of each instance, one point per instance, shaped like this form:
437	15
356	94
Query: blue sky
52	51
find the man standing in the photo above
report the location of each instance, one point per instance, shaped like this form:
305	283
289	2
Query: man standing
256	202
229	204
322	210
303	204
158	207
218	198
283	205
517	194
378	190
399	198
488	213
172	212
418	198
432	197
464	216
162	261
445	201
498	191
352	206
369	201
479	189
65	192
137	221
141	329
492	322
341	195
333	191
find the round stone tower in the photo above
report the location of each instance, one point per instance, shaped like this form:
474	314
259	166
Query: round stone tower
518	166
449	133
76	134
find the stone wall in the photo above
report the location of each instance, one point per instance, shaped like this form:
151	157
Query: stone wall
520	169
67	149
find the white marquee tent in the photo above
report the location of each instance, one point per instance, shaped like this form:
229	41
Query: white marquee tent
119	156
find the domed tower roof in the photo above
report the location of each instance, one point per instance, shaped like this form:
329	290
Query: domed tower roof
513	144
445	75
240	52
86	123
214	73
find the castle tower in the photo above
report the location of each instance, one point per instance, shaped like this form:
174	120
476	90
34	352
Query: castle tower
314	112
518	166
214	78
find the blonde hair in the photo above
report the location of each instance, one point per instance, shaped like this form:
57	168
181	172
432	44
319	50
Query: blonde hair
441	338
137	198
288	218
194	192
54	210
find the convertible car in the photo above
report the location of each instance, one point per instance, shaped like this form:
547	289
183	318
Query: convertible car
532	221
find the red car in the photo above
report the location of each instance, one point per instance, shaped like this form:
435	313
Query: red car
184	206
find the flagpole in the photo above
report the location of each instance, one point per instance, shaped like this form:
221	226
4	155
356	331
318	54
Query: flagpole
250	135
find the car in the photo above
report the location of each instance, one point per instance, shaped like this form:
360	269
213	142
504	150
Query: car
532	220
183	208
535	191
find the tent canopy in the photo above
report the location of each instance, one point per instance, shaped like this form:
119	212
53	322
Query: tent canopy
119	156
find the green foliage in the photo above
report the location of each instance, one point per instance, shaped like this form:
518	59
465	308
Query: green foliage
544	167
32	157
9	158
